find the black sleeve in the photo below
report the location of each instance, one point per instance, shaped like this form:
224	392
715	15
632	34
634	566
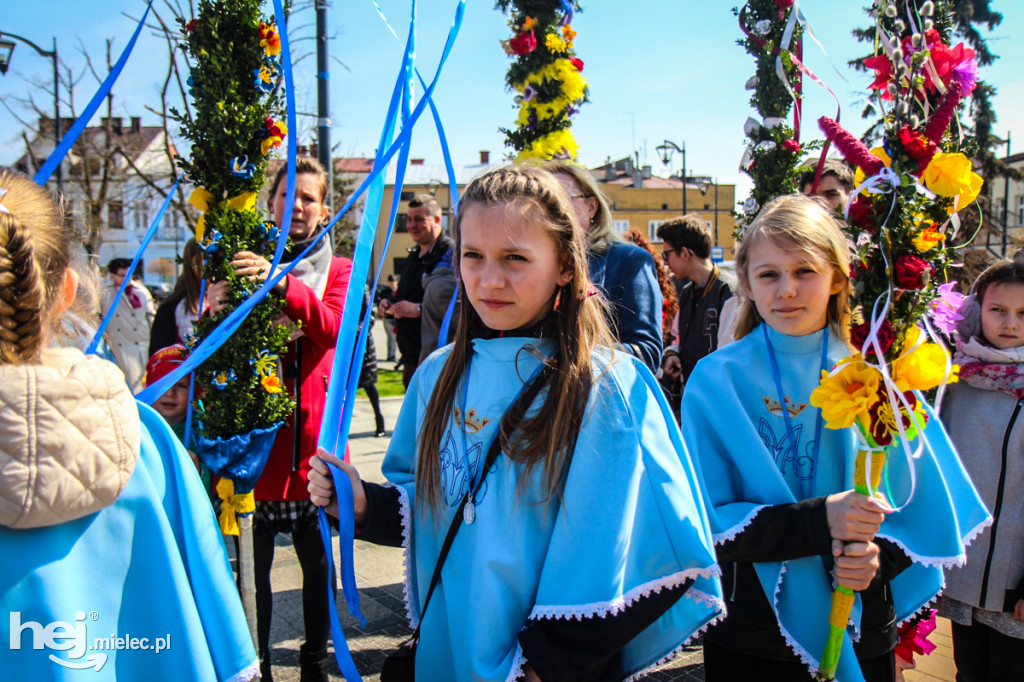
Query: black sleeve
383	516
164	331
781	532
892	560
590	649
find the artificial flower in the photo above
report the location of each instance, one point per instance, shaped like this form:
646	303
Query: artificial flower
784	4
847	394
529	93
524	43
882	67
213	244
528	24
764	146
222	378
951	175
762	27
883	422
578	63
911	272
879	152
862	215
884	338
918	147
924	367
555	44
945	310
271	384
270	39
928	238
568	34
191	26
269	231
791	146
264	364
241	168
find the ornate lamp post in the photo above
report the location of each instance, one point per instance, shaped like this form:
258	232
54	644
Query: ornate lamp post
704	190
666	150
6	49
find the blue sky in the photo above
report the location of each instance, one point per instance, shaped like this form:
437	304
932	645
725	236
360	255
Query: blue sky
658	69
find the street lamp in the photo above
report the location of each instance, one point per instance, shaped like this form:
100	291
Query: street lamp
665	150
704	190
6	49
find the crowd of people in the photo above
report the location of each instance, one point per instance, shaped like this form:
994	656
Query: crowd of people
590	468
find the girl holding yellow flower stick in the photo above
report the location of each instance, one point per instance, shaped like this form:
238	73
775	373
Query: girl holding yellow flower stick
787	522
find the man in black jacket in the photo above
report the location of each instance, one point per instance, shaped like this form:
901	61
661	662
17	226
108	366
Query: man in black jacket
424	225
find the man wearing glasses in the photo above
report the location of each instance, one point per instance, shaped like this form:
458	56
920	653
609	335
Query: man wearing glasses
699	324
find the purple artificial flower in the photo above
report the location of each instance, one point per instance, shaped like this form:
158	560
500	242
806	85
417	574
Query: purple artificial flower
966	73
529	93
943	310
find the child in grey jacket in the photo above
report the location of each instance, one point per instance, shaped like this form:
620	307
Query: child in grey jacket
985	598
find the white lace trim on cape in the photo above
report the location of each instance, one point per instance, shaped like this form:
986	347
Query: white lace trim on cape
250	672
730	533
619	604
403	502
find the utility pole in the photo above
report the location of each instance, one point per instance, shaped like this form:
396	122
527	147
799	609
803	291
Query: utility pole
323	100
1006	199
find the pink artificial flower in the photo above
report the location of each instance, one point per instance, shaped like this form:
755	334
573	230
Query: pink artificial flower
944	310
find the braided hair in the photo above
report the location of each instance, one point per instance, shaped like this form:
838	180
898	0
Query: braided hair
546	438
34	254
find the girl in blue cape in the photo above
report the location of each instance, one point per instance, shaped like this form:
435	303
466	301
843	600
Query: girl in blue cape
589	556
779	486
111	556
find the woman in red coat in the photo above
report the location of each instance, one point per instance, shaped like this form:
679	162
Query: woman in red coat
314	296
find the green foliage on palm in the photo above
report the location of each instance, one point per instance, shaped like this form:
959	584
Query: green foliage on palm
229	131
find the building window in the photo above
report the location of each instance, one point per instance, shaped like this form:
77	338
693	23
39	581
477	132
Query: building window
115	215
621	226
652	230
1020	210
400	222
407	196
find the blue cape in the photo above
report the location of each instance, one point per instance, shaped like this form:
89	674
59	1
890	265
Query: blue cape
631	521
733	423
150	566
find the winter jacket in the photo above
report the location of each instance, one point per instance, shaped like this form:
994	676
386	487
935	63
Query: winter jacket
307	372
987	427
128	331
104	523
410	288
628	278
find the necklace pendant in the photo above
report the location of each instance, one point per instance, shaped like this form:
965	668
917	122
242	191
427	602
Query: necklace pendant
469	512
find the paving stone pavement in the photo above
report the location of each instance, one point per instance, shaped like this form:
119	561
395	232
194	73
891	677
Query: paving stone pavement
379	574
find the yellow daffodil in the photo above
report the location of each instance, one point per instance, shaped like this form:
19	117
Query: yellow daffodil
951	175
847	394
859	177
922	369
928	238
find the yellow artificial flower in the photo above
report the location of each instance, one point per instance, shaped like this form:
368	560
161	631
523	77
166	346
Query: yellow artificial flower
923	368
951	175
269	143
555	44
859	177
928	238
528	24
271	384
559	142
847	394
242	202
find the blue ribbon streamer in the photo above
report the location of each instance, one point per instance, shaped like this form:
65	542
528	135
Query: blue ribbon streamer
91	350
293	133
68	141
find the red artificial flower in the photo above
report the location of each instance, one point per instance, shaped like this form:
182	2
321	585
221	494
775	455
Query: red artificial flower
784	4
191	26
578	63
918	147
912	272
524	43
883	74
791	146
885	338
862	215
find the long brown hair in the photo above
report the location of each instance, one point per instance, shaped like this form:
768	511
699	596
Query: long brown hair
600	234
546	438
34	254
666	282
805	223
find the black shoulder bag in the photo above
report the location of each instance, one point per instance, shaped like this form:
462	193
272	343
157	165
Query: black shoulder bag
400	666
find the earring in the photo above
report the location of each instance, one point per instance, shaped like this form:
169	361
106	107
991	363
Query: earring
558	298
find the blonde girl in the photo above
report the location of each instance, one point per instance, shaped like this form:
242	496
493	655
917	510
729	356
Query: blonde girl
103	519
585	554
787	524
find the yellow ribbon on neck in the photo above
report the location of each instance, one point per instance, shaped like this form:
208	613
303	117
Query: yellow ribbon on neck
202	199
231	505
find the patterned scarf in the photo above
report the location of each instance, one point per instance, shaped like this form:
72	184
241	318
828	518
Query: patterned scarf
991	369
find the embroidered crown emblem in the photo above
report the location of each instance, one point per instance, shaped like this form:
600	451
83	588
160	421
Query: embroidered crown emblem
470	422
794	408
